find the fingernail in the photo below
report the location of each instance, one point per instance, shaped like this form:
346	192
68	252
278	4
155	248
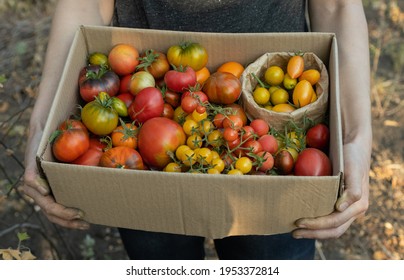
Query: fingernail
80	215
343	206
301	226
297	236
43	190
84	226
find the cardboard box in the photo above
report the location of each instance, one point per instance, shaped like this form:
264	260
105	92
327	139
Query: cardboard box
213	206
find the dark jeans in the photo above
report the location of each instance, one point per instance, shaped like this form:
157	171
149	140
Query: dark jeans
143	245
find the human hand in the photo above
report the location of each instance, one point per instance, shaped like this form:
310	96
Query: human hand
36	188
352	203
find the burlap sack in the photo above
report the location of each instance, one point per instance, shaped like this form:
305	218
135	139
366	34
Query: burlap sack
315	111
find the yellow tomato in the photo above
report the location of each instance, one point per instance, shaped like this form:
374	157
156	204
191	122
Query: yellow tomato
261	96
279	96
288	82
194	141
274	75
172	167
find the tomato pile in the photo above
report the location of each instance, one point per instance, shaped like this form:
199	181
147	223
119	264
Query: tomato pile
166	111
285	90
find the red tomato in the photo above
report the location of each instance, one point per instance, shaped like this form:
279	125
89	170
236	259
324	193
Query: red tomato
124	84
218	120
154	62
192	100
222	88
284	162
252	146
168	111
247	132
70	141
127	98
148	103
180	81
230	134
94	78
172	98
268	143
233	121
318	137
157	137
123	59
312	162
260	126
93	155
267	161
236	109
122	157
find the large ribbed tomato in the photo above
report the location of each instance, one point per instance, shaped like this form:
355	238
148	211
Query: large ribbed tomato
157	138
122	157
188	54
222	88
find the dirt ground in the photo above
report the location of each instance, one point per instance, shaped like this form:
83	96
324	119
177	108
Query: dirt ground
24	28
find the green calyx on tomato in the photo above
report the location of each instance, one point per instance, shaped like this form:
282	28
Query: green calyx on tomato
188	54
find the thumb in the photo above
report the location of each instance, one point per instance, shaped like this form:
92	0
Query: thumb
352	191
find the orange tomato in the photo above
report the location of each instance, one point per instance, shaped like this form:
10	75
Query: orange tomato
232	67
302	93
311	75
295	66
202	75
283	108
125	136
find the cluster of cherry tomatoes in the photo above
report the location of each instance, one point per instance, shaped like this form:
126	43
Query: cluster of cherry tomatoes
285	90
166	111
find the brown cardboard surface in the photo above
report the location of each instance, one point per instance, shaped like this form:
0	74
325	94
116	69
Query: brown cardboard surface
194	204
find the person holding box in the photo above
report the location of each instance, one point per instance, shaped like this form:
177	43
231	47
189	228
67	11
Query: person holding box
345	18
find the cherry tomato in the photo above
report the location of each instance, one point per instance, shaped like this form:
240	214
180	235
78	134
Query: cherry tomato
274	75
284	162
244	164
260	127
268	143
295	66
311	75
266	162
302	93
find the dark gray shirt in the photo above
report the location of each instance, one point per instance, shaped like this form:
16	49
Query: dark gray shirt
237	16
